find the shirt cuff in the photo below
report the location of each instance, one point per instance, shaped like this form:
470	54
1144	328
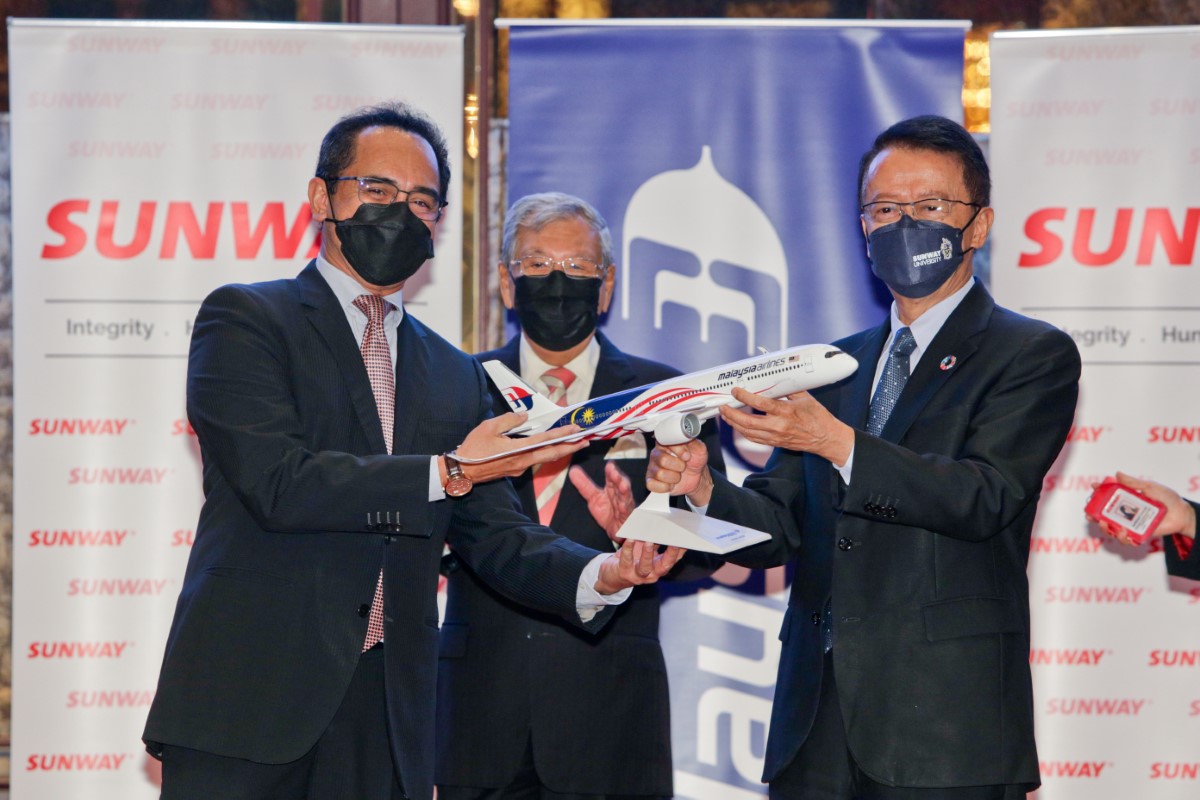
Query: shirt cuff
436	492
845	469
588	601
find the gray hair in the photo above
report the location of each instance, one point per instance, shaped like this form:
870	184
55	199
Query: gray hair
536	211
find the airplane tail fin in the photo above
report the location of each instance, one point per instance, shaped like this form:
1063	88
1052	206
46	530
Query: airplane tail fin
521	397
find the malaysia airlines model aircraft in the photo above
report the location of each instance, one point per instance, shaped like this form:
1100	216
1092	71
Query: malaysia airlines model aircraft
672	410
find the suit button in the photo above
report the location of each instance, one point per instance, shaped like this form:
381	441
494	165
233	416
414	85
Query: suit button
363	610
845	543
816	618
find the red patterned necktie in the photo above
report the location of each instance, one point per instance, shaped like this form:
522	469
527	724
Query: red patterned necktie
378	360
548	478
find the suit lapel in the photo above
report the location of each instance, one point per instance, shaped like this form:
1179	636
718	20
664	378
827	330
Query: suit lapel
325	314
853	410
953	346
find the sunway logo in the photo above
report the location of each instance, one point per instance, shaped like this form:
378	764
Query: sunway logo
1173	435
257	151
1054	108
1073	769
1070	483
1094	594
343	102
261	46
1193	483
76	762
1115	51
1066	658
183	538
181	427
217	101
77	649
109	699
117	476
1065	546
1084	433
116	45
78	538
1174	658
116	149
1174	771
1157	227
73	100
178	227
1194	708
78	427
397	49
1096	706
1175	106
1094	157
116	587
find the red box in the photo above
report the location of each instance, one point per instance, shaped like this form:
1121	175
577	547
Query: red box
1126	508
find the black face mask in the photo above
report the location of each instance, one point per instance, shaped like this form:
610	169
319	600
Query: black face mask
915	257
386	244
557	312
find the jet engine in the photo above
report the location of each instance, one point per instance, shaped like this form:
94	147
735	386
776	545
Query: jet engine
677	429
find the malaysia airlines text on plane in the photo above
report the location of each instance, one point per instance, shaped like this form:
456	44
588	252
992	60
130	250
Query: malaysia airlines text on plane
673	410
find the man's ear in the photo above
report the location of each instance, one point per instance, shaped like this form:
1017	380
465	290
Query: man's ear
507	291
606	288
319	204
980	228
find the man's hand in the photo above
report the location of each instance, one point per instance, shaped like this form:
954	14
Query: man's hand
488	439
611	505
797	422
681	469
1180	516
634	564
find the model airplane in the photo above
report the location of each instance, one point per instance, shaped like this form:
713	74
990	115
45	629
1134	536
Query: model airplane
671	410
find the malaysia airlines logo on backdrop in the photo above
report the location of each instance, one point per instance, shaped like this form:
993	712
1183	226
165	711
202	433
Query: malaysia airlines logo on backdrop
696	244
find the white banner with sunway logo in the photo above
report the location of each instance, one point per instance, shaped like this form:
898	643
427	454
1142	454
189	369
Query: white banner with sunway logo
153	162
1095	154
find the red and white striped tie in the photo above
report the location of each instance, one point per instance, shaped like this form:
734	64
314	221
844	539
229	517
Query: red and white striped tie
378	360
548	478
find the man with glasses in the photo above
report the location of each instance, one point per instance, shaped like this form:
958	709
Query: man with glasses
529	707
905	497
301	662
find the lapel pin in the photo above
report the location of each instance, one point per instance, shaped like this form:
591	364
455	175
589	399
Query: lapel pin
948	363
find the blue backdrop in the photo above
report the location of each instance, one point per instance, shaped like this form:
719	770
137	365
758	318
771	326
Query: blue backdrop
724	158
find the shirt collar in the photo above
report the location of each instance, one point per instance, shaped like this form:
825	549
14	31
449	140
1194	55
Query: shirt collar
346	289
925	327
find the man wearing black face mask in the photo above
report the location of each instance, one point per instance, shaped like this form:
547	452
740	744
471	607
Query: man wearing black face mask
301	659
528	707
906	497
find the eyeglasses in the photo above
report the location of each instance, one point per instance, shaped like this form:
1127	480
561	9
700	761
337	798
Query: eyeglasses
541	266
935	209
377	191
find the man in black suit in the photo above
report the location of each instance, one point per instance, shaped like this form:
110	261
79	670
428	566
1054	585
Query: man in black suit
905	664
301	660
530	707
1178	524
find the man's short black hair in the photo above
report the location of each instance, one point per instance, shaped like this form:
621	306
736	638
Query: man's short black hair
939	135
337	148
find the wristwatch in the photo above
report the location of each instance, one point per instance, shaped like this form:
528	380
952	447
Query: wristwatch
457	482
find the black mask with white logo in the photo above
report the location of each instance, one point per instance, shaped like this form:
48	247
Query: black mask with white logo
914	257
557	312
385	244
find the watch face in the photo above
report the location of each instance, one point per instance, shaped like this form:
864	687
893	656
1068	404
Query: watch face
458	485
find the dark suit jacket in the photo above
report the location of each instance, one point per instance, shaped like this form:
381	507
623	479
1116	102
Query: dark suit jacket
1183	567
924	553
596	706
303	507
